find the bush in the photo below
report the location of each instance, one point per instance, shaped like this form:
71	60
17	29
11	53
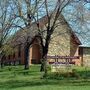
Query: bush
73	74
64	75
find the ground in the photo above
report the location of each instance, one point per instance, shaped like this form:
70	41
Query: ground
15	78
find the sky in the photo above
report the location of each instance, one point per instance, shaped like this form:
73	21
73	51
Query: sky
75	24
79	25
69	14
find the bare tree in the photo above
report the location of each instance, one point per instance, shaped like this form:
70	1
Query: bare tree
79	19
6	23
52	17
31	13
26	14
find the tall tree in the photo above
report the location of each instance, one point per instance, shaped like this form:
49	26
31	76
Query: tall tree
52	17
30	11
26	14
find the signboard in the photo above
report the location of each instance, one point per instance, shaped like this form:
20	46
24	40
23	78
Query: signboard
62	57
62	63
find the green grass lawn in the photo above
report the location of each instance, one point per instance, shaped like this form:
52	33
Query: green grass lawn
15	78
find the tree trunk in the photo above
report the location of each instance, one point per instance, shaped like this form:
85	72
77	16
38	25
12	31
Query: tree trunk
1	64
26	58
44	66
45	52
2	61
44	61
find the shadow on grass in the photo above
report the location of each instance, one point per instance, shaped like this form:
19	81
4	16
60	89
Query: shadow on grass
33	79
40	82
85	74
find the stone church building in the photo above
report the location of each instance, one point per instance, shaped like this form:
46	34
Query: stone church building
64	42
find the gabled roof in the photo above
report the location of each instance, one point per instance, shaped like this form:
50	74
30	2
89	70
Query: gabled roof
28	33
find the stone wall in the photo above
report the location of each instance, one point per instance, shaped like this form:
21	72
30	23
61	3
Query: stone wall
60	39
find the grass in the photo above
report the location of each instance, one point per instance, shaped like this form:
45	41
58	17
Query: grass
15	78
